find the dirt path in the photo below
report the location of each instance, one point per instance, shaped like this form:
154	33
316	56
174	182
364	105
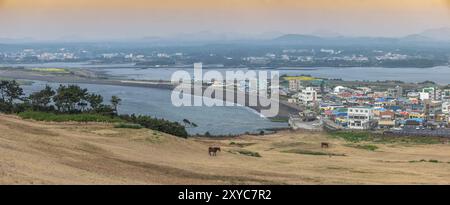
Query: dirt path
54	153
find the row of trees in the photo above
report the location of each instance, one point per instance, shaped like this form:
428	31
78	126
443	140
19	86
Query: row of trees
65	99
72	99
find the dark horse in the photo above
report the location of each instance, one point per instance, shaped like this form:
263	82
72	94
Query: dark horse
213	151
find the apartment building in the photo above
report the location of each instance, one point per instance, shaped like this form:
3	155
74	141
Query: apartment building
308	96
360	118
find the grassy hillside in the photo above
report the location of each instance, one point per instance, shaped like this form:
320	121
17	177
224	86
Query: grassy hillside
33	152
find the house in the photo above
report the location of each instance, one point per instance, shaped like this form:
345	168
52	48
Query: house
395	92
378	95
414	122
308	96
424	96
295	85
340	115
360	118
365	90
339	89
413	95
387	115
384	124
446	108
434	93
416	115
386	119
432	109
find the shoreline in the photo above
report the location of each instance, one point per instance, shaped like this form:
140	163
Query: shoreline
88	65
74	79
285	108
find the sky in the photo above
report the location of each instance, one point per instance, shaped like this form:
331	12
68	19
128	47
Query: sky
115	19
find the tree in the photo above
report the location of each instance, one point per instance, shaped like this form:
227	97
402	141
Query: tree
188	123
42	98
173	128
67	98
115	101
95	101
3	84
12	92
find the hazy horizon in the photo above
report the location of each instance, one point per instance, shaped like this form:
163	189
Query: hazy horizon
115	19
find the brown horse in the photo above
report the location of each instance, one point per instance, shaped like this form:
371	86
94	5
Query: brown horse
213	151
325	145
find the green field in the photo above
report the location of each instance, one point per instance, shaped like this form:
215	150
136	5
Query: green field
51	70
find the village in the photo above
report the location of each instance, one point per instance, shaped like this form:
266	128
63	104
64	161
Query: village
403	109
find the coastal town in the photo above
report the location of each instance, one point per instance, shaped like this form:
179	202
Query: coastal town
402	109
244	98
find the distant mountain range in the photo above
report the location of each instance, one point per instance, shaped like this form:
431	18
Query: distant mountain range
320	37
433	36
440	34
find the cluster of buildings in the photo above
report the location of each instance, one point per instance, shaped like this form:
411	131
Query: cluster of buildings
32	55
70	55
363	108
325	56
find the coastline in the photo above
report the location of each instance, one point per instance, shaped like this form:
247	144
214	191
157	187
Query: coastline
80	78
76	79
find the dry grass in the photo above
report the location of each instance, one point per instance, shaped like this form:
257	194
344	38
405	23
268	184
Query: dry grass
70	153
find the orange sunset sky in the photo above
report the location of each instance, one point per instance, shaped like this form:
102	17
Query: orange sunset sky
53	19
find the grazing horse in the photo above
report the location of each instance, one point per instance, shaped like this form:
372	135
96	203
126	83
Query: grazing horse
325	145
213	151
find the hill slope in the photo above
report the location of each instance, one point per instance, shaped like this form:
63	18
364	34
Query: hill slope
50	153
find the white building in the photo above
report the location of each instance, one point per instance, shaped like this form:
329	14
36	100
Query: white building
339	89
413	95
435	93
360	118
424	96
307	96
446	107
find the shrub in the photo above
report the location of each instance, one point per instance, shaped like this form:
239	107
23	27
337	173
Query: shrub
83	117
365	147
241	144
128	126
423	160
308	152
246	153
